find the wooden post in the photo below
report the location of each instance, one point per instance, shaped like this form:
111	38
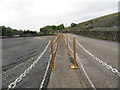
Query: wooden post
67	42
74	49
51	44
57	46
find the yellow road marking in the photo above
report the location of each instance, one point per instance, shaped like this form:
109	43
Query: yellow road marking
43	37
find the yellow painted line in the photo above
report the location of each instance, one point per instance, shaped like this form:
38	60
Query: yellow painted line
48	36
39	38
43	37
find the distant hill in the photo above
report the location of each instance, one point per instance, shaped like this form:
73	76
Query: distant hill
108	22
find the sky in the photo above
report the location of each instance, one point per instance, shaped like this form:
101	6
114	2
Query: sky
35	14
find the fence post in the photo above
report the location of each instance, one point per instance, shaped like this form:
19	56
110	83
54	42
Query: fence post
67	42
64	38
62	35
52	51
74	49
57	45
67	45
58	37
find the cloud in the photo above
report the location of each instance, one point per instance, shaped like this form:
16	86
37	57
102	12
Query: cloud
33	14
93	9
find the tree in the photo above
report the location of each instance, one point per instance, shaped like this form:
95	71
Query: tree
73	24
20	31
15	32
9	32
3	30
47	29
51	29
43	30
60	27
54	27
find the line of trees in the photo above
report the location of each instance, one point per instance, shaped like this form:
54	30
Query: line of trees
51	29
9	32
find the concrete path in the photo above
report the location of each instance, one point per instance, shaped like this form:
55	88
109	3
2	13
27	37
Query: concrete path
63	76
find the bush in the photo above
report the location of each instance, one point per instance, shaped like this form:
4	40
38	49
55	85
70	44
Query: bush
9	32
51	29
73	24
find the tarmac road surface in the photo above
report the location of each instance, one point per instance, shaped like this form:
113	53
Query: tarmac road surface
18	54
104	50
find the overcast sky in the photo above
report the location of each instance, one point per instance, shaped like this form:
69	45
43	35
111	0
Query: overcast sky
34	14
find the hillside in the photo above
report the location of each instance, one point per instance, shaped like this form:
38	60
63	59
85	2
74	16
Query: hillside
108	22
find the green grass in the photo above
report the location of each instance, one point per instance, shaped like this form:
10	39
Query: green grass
103	21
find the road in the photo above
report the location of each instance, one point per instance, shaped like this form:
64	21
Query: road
104	50
18	54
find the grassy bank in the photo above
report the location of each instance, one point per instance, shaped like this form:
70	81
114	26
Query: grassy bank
105	35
